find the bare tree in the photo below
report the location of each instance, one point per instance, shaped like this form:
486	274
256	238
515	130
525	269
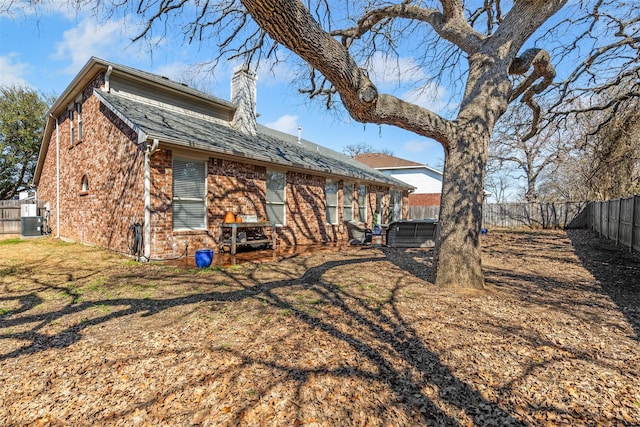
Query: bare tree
477	46
353	150
529	156
478	38
607	163
600	44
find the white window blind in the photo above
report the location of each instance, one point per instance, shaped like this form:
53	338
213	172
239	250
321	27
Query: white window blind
362	203
276	197
331	200
347	207
189	192
395	208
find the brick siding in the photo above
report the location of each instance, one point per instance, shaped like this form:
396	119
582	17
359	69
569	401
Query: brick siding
114	164
427	199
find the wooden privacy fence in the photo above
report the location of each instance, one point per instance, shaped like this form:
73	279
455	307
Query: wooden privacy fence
518	215
10	216
617	220
423	212
534	215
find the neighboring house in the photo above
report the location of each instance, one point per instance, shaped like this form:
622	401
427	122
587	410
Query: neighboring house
128	150
426	180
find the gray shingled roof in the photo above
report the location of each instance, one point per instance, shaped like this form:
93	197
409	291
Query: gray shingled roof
268	146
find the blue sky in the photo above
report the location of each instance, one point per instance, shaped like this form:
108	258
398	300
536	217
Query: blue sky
45	49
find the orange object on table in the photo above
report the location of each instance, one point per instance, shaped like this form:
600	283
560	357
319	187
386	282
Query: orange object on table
229	217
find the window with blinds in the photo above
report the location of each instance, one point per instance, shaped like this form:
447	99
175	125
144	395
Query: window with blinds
395	205
362	203
331	200
276	197
347	206
189	194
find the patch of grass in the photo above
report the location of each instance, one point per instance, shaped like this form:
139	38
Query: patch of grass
209	269
8	271
11	241
284	312
97	283
104	308
4	311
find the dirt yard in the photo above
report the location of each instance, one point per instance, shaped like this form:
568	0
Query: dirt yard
351	337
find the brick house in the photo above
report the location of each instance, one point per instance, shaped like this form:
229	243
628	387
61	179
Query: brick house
123	147
426	180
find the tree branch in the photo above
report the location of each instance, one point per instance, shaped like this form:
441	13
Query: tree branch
540	60
289	23
450	25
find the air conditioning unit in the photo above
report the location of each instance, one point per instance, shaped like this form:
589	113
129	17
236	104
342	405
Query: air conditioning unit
31	226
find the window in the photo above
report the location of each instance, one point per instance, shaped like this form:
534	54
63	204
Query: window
72	129
377	215
84	187
79	112
189	194
347	207
276	200
362	203
395	205
331	198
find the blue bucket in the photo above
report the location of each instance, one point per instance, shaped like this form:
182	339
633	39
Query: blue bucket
204	257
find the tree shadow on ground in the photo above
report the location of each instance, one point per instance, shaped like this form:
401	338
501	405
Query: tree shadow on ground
615	268
377	331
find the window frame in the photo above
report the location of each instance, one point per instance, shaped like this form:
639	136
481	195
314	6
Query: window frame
84	185
78	108
334	207
347	200
72	130
189	200
395	209
271	204
362	206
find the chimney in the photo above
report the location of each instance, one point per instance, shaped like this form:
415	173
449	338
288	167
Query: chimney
243	95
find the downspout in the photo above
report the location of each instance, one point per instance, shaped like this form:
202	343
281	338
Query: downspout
57	178
147	197
107	86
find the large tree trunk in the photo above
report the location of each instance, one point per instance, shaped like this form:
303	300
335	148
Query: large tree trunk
457	260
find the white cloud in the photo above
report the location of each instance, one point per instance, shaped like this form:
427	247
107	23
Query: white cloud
88	39
12	71
386	70
415	146
430	96
287	124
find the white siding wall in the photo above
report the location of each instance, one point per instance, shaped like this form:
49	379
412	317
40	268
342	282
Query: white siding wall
424	180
